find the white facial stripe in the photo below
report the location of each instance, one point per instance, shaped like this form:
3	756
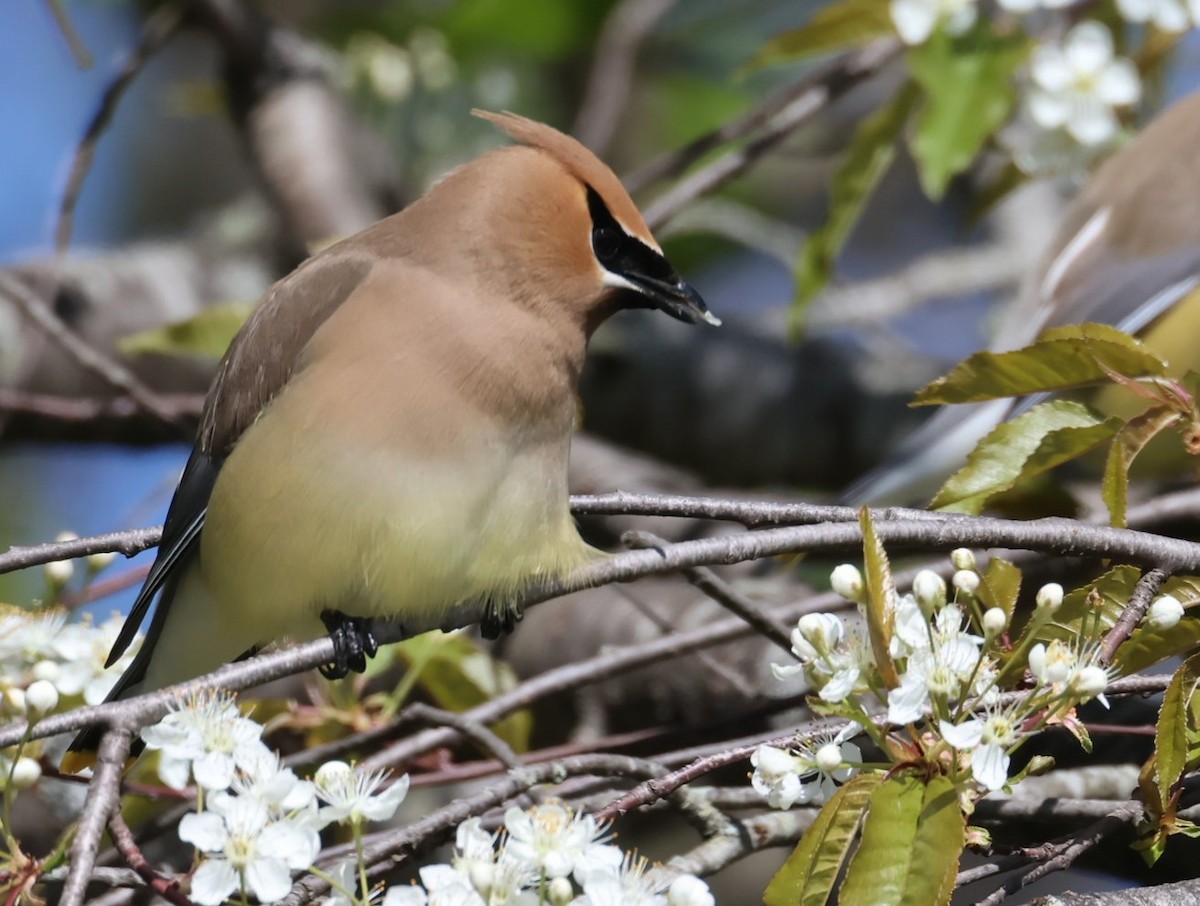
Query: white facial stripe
608	278
1087	234
628	232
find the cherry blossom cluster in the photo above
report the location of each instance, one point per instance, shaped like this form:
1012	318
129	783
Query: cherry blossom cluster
944	701
1074	86
45	662
259	824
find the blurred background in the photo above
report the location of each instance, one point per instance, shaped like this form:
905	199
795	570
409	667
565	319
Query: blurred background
164	163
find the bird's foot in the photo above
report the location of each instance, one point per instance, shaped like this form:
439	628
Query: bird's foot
353	642
499	619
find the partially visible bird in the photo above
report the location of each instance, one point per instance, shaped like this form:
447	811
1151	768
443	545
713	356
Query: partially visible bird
387	436
1127	253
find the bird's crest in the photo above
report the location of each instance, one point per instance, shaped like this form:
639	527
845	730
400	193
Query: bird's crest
581	163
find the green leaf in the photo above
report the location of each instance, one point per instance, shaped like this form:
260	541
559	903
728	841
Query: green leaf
1171	734
1128	443
968	86
881	599
1062	358
808	876
1031	444
871	152
1147	647
911	842
1001	585
206	335
458	675
1099	604
833	27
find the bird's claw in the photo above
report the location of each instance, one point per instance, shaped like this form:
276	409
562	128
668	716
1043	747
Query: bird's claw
353	642
499	619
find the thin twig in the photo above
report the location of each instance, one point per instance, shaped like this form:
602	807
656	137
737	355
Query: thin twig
613	68
72	410
129	543
123	838
87	356
1120	817
157	30
103	797
1135	609
487	741
826	86
83	57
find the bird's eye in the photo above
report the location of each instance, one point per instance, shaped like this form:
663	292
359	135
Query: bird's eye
606	242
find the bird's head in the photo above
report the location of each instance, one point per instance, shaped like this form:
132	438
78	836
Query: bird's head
569	221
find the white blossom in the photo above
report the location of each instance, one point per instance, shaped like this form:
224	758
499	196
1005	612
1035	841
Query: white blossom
246	851
831	659
916	20
41	697
554	841
208	737
1169	15
355	796
1078	83
810	773
688	890
628	883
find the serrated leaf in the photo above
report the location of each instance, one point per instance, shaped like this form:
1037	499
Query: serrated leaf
206	335
810	872
1000	585
1031	444
911	842
1064	357
1099	603
1147	647
881	600
1126	445
871	152
968	86
1172	730
839	25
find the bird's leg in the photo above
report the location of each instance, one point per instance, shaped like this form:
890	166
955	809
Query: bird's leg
353	642
499	618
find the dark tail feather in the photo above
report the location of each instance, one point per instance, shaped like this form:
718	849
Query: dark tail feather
81	753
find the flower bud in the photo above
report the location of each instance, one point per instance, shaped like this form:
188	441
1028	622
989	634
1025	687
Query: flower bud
25	773
995	621
100	561
47	670
41	698
58	573
847	581
966	581
560	892
929	589
1165	612
962	558
1050	597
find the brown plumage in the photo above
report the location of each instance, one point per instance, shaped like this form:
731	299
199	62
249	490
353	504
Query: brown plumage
388	434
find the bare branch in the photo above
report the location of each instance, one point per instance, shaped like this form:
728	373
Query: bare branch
1135	609
103	798
123	838
107	369
159	27
612	69
824	87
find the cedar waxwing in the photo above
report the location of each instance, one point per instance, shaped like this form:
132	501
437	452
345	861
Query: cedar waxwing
1127	253
388	434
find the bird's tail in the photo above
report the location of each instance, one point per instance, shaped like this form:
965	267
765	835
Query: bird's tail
167	655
